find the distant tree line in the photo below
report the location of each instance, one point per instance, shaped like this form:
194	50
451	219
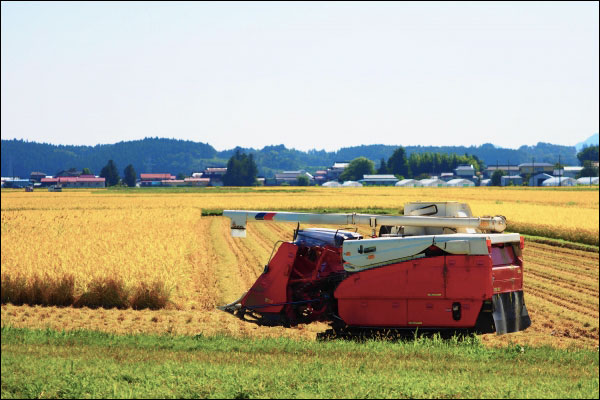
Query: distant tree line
414	166
586	157
242	169
184	157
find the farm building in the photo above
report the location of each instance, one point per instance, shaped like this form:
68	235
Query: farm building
154	179
172	182
570	172
515	180
291	177
537	180
534	168
351	184
332	184
320	177
334	172
37	176
464	171
460	183
83	181
16	183
433	182
386	180
409	183
509	169
197	181
587	180
215	174
559	181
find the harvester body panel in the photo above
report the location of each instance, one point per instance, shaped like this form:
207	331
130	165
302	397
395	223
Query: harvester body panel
465	280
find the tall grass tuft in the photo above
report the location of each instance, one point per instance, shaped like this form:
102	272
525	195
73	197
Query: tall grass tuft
38	290
105	293
13	289
101	292
154	296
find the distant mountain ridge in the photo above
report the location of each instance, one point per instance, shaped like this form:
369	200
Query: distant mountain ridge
20	157
593	140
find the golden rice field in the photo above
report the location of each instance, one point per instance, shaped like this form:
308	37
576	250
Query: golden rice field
139	247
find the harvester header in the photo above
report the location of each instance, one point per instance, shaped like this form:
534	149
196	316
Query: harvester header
240	217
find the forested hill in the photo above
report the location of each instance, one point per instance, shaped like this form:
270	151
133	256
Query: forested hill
174	156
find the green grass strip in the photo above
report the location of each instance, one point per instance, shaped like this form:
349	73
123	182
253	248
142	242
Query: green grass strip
83	364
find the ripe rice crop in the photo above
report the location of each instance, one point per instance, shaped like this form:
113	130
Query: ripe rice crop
98	256
136	250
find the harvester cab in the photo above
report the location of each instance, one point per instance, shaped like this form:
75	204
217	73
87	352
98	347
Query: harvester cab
434	268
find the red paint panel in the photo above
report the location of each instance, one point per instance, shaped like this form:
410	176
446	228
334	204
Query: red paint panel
438	313
468	277
425	278
417	293
271	288
384	282
410	279
373	312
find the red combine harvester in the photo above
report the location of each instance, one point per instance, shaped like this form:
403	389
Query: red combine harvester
436	268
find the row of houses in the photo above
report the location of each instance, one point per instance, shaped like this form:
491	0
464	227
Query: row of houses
458	182
532	173
82	181
538	174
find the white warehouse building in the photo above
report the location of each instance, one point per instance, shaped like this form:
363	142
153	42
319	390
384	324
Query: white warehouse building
409	183
351	184
332	184
460	183
559	181
586	180
433	182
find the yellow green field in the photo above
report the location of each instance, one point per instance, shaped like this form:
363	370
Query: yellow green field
160	244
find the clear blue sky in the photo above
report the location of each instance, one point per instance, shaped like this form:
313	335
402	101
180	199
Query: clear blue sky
308	75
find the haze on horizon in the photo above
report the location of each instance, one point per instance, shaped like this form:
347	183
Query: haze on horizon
306	75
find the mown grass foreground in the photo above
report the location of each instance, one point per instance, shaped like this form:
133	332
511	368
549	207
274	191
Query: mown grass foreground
83	364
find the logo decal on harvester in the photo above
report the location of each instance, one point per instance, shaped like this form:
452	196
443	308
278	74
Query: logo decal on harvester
264	216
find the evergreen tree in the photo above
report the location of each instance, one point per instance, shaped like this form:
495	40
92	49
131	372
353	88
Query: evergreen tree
241	170
129	176
86	171
110	173
398	163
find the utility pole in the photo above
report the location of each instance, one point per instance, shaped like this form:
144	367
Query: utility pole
559	172
533	171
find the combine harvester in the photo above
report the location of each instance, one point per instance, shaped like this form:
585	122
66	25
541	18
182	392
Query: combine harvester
436	268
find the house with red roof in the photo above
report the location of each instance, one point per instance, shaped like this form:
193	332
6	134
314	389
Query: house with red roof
82	181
